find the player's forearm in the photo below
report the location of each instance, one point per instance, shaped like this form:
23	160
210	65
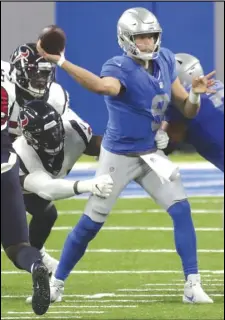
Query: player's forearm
84	77
164	125
187	103
190	109
53	189
50	189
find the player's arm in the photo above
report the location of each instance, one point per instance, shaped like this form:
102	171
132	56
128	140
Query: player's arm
188	104
40	183
105	86
94	146
183	101
164	125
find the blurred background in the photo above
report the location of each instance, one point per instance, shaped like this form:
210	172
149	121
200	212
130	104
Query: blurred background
192	27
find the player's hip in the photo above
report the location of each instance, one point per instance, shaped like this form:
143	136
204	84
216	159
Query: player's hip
126	146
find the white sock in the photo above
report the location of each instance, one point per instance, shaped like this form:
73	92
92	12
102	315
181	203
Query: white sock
42	251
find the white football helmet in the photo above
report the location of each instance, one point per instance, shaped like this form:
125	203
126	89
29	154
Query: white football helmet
136	21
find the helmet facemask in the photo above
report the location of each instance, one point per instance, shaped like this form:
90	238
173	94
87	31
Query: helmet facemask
134	22
49	140
34	78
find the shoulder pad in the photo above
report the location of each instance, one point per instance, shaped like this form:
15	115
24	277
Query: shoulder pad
58	97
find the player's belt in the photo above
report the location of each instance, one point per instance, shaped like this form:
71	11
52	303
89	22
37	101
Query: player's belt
137	154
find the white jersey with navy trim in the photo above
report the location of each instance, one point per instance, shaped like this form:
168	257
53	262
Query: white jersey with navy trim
77	137
56	96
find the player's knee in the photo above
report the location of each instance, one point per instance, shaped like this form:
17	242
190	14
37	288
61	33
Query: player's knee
97	212
45	214
97	216
50	213
180	209
12	251
85	230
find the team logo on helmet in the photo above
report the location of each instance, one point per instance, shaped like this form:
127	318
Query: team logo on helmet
24	121
21	55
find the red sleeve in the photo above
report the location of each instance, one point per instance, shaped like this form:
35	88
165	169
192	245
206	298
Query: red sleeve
4	107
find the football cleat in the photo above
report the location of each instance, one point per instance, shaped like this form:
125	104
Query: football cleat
193	292
50	262
29	299
56	289
41	289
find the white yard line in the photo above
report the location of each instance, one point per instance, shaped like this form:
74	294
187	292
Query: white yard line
94	306
91	298
54	312
138	250
134	228
206	200
213	282
35	317
148	295
110	300
121	272
161	289
130	211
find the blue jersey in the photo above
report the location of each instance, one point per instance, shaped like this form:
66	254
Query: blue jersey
206	131
136	113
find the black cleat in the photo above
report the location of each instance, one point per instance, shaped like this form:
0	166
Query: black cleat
41	288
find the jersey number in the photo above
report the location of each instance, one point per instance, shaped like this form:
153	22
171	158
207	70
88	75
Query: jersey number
158	108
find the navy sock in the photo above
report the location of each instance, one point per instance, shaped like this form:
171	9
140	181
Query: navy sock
26	257
76	244
185	237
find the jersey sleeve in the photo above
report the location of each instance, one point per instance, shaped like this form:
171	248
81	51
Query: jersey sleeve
81	126
7	93
114	68
58	98
172	65
170	57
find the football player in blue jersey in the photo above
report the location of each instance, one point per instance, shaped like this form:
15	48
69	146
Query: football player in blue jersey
205	131
137	87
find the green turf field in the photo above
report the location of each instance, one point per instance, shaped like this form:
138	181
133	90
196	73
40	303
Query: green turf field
131	270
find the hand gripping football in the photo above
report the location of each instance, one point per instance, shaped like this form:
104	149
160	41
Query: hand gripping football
53	39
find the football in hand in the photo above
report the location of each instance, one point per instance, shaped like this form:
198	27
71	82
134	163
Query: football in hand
53	39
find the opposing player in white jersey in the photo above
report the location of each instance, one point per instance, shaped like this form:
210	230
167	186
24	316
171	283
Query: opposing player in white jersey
47	151
14	229
34	79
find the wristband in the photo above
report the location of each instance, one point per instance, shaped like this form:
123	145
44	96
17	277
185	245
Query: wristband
75	188
194	98
61	60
